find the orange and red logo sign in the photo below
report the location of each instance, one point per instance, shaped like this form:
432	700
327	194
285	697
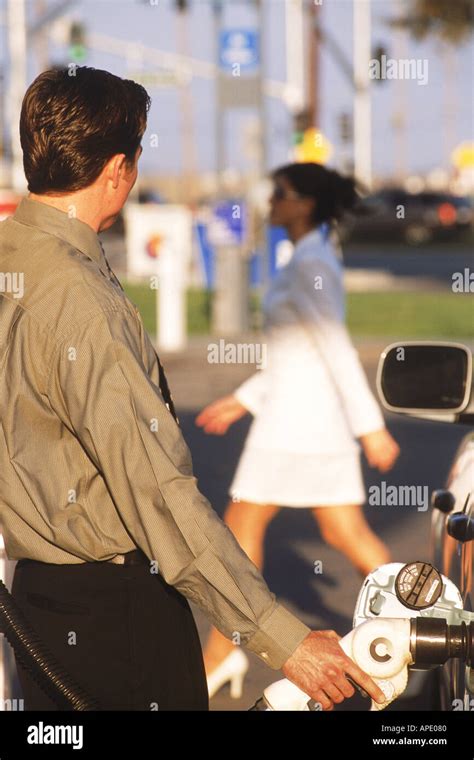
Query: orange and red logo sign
153	246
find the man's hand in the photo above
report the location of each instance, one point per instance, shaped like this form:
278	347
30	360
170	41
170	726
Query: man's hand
319	667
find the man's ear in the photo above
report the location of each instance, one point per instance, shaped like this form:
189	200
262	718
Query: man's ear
114	169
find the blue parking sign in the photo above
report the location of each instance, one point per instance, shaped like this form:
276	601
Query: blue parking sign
239	46
228	223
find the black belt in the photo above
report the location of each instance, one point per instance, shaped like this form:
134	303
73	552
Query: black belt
135	557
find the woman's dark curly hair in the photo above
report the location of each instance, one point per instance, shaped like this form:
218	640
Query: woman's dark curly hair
333	193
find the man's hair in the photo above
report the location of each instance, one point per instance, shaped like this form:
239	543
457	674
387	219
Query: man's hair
73	121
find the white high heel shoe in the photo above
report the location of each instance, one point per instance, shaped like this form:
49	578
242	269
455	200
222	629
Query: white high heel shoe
232	669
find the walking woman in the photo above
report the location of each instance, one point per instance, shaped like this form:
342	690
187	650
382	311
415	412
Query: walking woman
313	408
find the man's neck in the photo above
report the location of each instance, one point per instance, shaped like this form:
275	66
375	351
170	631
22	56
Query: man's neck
79	205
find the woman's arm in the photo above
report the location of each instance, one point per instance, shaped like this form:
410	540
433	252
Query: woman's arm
221	414
251	393
321	310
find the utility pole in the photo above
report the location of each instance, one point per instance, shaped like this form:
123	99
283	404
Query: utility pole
362	106
3	141
400	104
295	74
314	60
230	302
17	86
42	38
219	114
189	169
451	104
262	156
19	39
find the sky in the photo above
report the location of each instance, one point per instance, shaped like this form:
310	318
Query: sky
438	115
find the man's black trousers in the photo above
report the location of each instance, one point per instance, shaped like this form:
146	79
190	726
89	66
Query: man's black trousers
125	635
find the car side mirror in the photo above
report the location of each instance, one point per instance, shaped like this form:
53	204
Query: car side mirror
428	378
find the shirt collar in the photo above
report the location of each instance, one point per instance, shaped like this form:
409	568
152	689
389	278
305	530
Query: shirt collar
61	225
313	237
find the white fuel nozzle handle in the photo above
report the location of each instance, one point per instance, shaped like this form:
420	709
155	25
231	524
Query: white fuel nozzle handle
380	647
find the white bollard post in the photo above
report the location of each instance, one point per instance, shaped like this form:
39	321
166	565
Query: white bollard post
171	301
159	246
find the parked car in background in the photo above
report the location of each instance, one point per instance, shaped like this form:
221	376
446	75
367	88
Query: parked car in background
416	219
433	380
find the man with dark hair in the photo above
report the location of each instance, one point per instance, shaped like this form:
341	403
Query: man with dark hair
72	121
99	504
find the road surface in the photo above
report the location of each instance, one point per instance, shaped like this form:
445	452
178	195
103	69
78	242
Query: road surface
293	543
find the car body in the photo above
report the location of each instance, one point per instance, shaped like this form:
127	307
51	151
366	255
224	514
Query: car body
415	218
453	553
406	388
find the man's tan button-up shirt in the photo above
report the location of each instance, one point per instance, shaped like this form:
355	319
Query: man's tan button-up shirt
92	463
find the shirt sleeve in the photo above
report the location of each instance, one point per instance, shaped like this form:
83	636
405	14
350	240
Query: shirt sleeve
100	388
317	295
251	393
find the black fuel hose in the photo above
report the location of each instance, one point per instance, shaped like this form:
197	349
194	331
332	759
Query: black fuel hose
35	657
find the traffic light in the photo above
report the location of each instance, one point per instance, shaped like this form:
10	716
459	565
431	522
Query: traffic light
345	127
77	41
301	122
379	52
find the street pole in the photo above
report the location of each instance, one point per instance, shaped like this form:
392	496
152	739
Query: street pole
189	168
229	304
258	223
295	74
3	143
362	106
41	39
314	60
17	86
19	38
400	111
451	105
219	113
262	145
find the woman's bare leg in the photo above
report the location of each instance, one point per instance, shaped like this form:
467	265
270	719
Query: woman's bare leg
248	522
346	529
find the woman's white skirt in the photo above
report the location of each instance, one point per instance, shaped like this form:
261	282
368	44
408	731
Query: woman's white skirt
300	450
286	478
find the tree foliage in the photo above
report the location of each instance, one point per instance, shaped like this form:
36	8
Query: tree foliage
451	20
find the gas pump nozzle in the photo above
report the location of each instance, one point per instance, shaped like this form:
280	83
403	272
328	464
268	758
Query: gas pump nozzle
380	647
385	647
